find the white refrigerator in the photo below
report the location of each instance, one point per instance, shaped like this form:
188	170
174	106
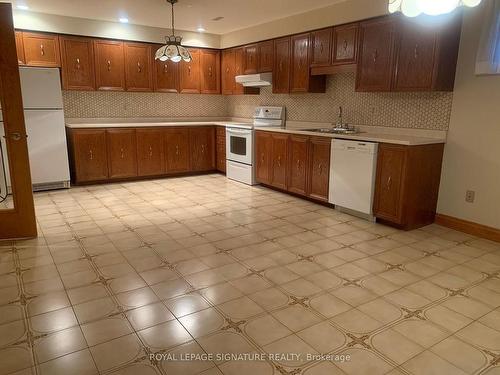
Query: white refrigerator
44	118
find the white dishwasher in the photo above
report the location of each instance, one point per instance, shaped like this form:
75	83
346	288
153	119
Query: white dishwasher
352	175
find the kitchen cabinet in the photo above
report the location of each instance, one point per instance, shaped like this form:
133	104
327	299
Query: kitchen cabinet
77	58
202	148
345	44
375	63
109	65
319	168
281	70
250	59
88	155
122	153
266	56
20	48
321	51
238	70
150	152
177	150
165	74
41	49
301	80
263	157
138	64
279	161
220	151
227	72
210	71
298	147
190	74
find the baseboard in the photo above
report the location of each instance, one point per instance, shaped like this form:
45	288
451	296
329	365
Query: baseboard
469	227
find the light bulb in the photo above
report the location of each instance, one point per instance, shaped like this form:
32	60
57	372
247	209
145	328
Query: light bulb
411	8
434	8
176	58
394	5
471	3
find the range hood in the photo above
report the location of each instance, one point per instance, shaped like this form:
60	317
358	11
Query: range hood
255	80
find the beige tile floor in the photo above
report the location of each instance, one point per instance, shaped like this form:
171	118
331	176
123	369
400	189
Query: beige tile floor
204	265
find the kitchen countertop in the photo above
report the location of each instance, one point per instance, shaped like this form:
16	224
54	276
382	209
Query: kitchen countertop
138	124
400	139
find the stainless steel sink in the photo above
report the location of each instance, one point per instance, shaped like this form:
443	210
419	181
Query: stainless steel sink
333	130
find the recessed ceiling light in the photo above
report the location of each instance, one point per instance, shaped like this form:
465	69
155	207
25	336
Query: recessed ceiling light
23	7
123	20
201	29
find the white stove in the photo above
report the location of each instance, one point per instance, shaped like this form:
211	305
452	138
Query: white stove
240	143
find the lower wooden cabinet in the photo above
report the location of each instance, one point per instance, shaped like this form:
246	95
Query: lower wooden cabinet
202	151
150	154
122	153
88	155
177	150
220	148
279	160
298	164
319	167
263	157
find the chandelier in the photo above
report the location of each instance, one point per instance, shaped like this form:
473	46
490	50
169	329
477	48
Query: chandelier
173	49
413	8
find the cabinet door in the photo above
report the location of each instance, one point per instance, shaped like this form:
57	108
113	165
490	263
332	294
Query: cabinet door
391	163
166	74
228	72
319	168
266	56
280	161
122	153
109	65
201	142
150	157
77	55
238	70
281	71
415	57
298	164
177	150
220	141
89	155
321	51
41	49
263	157
299	81
138	72
345	42
210	71
250	59
190	74
20	48
375	64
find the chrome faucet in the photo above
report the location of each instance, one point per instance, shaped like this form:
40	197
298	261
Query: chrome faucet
340	122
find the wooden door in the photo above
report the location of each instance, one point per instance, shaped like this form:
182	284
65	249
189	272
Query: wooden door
250	58
228	72
109	65
41	49
18	220
266	56
190	74
201	141
77	57
166	74
319	168
177	150
150	152
263	157
391	165
279	161
122	153
238	70
299	81
20	48
281	71
345	44
321	42
416	48
138	67
210	71
89	155
375	64
220	148
298	147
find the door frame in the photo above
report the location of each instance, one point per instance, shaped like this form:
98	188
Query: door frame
19	222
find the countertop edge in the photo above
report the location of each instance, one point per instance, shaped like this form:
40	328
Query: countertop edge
157	124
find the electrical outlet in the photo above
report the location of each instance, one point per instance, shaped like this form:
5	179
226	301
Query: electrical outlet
469	196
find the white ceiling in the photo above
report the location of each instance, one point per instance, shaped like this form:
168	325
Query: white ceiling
189	14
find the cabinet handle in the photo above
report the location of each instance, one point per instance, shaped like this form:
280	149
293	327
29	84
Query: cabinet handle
345	45
109	65
320	168
177	150
280	65
279	161
262	158
321	48
42	50
210	71
227	70
375	56
189	70
122	153
150	152
202	149
389	183
165	68
139	67
298	164
91	153
78	67
415	52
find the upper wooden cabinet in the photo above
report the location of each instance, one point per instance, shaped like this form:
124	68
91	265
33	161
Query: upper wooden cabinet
77	55
281	71
238	70
345	44
250	58
138	70
266	56
20	48
321	51
190	74
301	80
210	71
165	74
375	63
41	49
109	65
227	74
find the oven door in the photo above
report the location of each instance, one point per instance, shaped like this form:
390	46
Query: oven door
239	145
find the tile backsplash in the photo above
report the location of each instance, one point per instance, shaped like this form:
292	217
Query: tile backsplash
425	110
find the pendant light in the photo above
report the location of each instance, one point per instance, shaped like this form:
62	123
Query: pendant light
413	8
173	49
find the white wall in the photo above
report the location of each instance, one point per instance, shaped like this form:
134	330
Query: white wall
472	153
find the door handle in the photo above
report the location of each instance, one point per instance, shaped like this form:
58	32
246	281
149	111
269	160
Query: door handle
91	154
345	45
78	64
42	50
16	136
139	67
389	183
150	151
109	65
279	161
210	71
298	163
320	168
165	68
375	56
177	150
122	151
